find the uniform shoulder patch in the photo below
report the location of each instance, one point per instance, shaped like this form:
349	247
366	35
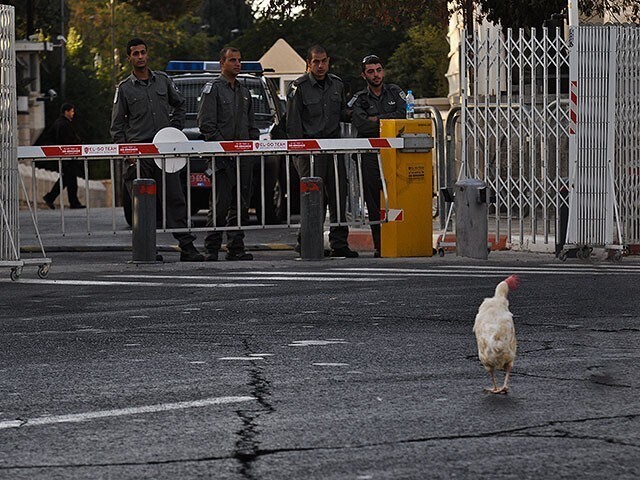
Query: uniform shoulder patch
207	88
353	100
402	95
300	80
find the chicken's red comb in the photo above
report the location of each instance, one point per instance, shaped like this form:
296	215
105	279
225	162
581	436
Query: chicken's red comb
513	281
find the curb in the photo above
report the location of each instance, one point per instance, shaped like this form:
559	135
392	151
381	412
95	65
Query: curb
256	247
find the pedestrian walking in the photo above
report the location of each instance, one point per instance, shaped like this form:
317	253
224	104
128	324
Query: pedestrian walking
377	101
316	105
226	113
146	102
63	133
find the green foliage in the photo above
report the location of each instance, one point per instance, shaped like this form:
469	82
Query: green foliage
347	41
46	16
225	20
166	39
163	10
421	62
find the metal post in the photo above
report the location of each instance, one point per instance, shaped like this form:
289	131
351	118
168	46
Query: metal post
471	219
144	220
63	47
312	212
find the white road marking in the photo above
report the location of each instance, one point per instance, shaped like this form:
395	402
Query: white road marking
331	364
120	412
35	281
313	343
452	269
252	276
241	358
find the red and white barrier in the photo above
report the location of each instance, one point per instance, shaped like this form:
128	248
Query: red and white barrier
203	148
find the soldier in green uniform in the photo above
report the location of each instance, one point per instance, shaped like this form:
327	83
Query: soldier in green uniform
379	100
146	102
316	104
226	113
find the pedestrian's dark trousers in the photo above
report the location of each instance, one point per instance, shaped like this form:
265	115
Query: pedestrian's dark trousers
71	169
335	196
227	206
372	186
176	210
235	239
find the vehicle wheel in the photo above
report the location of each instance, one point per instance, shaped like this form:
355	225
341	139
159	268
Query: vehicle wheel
441	252
616	257
127	207
43	271
563	256
15	273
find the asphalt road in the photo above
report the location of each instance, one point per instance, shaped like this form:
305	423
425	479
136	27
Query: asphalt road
339	369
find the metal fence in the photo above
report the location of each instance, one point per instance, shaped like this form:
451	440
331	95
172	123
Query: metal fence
592	137
515	129
627	132
553	126
351	151
9	237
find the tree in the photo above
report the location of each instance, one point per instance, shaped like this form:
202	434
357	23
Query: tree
420	63
523	12
347	41
226	20
163	10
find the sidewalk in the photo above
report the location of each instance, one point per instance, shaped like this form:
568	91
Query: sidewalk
99	230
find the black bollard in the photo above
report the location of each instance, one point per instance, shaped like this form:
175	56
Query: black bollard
312	213
144	220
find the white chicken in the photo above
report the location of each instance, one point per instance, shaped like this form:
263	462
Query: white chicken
496	334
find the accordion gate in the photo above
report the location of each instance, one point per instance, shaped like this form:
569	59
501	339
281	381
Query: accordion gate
552	125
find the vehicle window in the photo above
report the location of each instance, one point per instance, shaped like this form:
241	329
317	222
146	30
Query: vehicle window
260	104
191	89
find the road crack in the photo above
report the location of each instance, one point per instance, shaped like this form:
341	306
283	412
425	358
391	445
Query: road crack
247	448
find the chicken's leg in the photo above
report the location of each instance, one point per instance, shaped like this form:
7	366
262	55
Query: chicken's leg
505	386
495	386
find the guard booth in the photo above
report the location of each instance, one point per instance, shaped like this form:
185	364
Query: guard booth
408	175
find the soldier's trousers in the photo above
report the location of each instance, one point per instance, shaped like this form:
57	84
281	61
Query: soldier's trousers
372	186
227	206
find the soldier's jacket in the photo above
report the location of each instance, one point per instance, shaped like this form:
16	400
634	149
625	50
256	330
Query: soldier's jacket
225	113
390	104
313	111
141	109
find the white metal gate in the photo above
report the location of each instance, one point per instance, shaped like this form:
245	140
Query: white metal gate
627	133
9	238
515	129
593	73
9	177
